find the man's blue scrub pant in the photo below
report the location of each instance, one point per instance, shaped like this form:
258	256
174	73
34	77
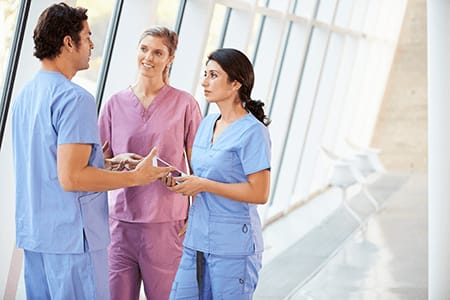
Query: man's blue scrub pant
66	276
224	277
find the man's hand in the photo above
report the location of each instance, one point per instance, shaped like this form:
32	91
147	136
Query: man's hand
146	172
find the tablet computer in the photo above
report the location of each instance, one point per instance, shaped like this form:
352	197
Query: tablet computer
162	163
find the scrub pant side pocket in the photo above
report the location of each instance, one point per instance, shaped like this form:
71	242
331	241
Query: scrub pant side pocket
234	277
185	283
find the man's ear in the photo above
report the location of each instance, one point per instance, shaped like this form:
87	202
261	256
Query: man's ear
68	43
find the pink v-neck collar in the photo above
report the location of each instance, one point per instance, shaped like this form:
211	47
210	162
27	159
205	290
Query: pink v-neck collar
146	113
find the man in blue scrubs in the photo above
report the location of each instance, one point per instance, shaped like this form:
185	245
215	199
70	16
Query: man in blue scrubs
61	204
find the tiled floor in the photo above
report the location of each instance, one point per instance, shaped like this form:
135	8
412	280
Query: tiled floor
337	260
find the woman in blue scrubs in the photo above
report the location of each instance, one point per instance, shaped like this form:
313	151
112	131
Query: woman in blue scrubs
231	167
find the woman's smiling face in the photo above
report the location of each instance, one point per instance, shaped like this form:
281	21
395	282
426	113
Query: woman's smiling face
153	56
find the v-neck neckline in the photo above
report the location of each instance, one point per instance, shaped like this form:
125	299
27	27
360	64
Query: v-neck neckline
219	137
146	112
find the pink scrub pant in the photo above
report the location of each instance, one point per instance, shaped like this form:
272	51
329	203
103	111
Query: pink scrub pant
149	252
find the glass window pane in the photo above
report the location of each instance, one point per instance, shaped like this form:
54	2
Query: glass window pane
372	17
285	95
299	126
8	17
267	57
167	12
212	43
306	8
281	5
255	34
358	15
352	96
344	13
308	184
240	25
263	3
326	10
339	98
99	13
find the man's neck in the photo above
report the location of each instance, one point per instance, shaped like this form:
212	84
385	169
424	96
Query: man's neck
58	65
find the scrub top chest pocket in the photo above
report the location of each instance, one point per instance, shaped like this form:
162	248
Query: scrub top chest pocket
217	164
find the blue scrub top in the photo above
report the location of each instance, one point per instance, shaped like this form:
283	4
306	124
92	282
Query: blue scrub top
216	224
52	110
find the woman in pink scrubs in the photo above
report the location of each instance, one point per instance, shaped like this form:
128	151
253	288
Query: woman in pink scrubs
147	223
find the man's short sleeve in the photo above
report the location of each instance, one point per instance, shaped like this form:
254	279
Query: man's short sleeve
75	119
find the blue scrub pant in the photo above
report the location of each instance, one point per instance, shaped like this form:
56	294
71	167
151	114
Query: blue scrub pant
224	277
66	276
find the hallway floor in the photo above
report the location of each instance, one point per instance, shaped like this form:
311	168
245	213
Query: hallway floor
337	259
384	260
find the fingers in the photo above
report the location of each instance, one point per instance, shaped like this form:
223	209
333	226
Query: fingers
131	164
183	230
162	171
180	179
148	160
168	180
152	153
149	157
117	166
121	166
180	189
105	146
135	157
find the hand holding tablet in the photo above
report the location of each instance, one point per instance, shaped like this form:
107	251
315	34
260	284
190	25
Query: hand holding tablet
157	161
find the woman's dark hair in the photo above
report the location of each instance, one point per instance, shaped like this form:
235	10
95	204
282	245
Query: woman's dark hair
54	23
238	67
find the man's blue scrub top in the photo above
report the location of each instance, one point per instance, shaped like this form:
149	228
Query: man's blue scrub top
216	224
52	110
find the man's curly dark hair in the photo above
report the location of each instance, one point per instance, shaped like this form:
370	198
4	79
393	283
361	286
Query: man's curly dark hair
56	22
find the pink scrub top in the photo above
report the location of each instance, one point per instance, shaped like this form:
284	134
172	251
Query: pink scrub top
169	123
